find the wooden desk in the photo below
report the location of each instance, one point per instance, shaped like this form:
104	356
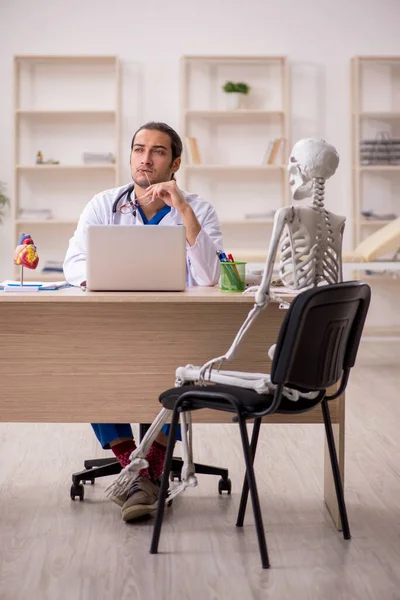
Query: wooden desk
72	356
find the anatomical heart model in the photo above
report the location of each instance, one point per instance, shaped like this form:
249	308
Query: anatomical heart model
26	254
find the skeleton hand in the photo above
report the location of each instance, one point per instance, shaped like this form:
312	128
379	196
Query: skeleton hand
205	371
251	289
261	298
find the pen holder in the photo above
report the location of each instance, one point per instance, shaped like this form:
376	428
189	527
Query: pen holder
233	276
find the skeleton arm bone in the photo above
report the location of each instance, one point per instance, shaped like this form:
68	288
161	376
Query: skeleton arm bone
259	382
262	297
282	217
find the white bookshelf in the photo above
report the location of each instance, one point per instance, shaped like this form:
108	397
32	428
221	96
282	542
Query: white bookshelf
374	222
55	168
238	114
377	168
233	174
66	113
380	115
49	222
375	109
63	106
216	168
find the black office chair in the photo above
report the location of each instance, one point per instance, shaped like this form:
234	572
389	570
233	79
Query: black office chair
316	348
103	467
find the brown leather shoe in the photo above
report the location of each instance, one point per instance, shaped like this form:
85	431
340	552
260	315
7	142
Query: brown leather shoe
120	500
143	498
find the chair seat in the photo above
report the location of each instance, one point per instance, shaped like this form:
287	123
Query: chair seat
250	400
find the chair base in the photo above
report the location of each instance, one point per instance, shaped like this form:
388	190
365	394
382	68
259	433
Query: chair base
102	467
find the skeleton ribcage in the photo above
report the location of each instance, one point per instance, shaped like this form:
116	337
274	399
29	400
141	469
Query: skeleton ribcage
302	264
297	262
327	260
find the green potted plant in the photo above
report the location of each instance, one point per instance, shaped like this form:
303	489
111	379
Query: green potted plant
235	93
4	201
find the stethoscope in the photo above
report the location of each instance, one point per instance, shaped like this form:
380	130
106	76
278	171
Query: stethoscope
134	203
125	194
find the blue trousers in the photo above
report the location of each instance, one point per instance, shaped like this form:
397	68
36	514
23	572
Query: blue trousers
108	432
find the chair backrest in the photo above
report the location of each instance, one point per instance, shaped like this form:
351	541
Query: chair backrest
320	335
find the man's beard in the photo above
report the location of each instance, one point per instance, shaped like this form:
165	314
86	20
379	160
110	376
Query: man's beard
141	180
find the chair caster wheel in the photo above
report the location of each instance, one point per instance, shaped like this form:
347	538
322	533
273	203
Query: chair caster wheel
77	490
175	475
224	485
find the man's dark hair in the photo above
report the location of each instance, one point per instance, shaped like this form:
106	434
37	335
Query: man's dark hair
176	142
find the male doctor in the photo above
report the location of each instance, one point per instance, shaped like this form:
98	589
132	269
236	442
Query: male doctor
156	151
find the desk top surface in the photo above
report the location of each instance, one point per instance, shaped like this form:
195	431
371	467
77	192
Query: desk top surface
192	294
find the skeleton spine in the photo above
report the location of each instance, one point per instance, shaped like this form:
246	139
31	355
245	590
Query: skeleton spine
318	193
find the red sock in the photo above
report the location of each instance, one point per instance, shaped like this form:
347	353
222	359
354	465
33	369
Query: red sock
155	458
123	451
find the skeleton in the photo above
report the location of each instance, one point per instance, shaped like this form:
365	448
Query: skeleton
310	241
311	237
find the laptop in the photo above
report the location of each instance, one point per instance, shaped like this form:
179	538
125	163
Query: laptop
129	258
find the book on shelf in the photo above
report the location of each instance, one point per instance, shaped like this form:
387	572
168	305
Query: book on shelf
267	153
272	150
98	158
192	151
382	150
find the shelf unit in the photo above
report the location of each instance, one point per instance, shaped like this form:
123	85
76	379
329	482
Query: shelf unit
374	222
239	113
39	168
63	106
375	109
260	168
64	113
377	168
233	174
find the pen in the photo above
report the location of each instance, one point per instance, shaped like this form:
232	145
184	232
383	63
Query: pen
222	256
234	266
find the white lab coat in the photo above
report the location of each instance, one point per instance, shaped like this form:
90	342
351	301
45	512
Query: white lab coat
202	263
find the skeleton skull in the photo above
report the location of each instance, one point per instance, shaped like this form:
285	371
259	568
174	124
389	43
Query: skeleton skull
309	159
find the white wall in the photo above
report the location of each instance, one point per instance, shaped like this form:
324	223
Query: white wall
318	36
